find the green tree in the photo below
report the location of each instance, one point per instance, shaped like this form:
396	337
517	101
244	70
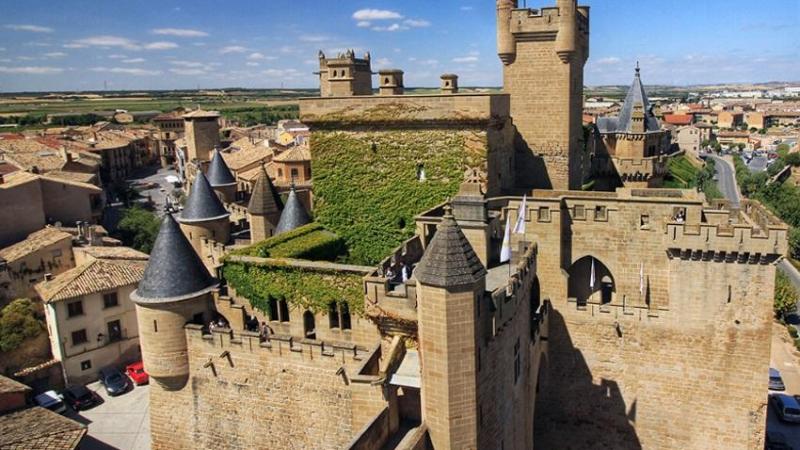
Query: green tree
785	295
18	321
138	228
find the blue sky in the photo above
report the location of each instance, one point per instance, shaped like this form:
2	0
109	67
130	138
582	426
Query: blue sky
169	44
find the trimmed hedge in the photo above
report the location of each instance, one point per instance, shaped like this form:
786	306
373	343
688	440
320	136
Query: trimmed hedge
314	290
366	187
312	242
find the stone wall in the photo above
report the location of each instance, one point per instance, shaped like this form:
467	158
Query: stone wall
202	136
26	216
244	394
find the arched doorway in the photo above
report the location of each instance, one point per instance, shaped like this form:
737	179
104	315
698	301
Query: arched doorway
590	281
309	328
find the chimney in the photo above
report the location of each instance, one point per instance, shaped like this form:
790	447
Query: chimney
48	277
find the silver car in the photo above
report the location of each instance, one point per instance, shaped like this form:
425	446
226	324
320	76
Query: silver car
775	380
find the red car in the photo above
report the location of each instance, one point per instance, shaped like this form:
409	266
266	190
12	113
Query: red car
137	373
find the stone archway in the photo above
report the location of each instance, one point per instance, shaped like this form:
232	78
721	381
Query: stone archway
581	287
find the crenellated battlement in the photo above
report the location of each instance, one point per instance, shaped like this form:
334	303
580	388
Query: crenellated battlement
730	243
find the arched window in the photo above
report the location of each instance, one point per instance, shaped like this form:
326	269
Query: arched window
333	315
309	327
344	309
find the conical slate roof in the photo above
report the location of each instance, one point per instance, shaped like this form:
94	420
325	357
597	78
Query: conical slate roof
203	203
294	214
265	199
218	172
174	272
636	95
449	261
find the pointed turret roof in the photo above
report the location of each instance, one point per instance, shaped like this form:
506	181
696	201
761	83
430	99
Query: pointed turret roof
174	272
218	172
449	261
203	203
636	95
265	199
294	214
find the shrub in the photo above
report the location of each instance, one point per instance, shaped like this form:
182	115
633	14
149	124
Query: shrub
310	241
18	321
785	295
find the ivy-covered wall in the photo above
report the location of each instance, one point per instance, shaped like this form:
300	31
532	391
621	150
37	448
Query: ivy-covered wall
311	289
312	242
366	184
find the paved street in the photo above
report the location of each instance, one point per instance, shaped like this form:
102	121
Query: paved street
155	175
726	180
783	358
121	423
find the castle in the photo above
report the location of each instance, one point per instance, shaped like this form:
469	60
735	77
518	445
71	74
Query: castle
397	320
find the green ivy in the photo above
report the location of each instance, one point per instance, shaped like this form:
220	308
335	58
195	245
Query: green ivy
311	289
366	188
310	241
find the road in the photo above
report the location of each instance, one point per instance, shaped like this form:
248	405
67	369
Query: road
726	180
784	359
155	175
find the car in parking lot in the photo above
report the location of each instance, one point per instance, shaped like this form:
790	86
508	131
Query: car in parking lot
137	374
114	381
775	380
79	397
52	401
786	406
775	440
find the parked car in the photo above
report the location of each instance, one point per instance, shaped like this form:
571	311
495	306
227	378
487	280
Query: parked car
52	401
775	380
114	381
776	440
137	373
787	407
78	397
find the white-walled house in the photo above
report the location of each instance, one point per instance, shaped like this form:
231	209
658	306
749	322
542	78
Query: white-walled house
90	317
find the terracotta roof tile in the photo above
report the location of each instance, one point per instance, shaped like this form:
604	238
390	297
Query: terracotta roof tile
33	243
39	428
295	154
95	276
9	385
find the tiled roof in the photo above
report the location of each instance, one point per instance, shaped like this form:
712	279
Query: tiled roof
265	198
252	175
18	178
203	203
39	428
33	243
174	271
244	152
80	177
636	96
294	214
295	154
678	119
97	275
9	385
113	252
449	261
218	172
199	113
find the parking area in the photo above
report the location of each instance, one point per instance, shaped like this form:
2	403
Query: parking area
121	422
783	358
156	176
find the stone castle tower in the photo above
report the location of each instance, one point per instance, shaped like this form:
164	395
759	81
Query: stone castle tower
543	53
221	179
345	75
202	134
176	289
264	208
204	216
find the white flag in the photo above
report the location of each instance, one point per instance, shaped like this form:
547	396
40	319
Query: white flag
505	250
591	277
519	227
641	278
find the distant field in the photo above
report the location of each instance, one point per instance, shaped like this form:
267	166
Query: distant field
138	104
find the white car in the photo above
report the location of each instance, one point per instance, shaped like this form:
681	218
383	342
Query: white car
52	401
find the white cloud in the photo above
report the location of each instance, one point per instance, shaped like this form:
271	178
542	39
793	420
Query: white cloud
233	49
313	38
126	71
55	55
161	45
281	73
2	49
107	41
608	61
258	56
31	70
25	58
252	64
188	72
363	24
392	27
466	8
383	63
133	61
117	56
74	45
31	28
180	32
376	14
191	64
466	59
5	60
429	62
416	23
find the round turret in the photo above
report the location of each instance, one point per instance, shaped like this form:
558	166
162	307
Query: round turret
204	216
175	289
221	179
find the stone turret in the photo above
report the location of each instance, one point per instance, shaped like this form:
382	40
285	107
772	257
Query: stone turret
221	179
449	83
264	208
390	82
345	75
294	215
175	289
506	44
469	209
450	286
567	30
204	216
